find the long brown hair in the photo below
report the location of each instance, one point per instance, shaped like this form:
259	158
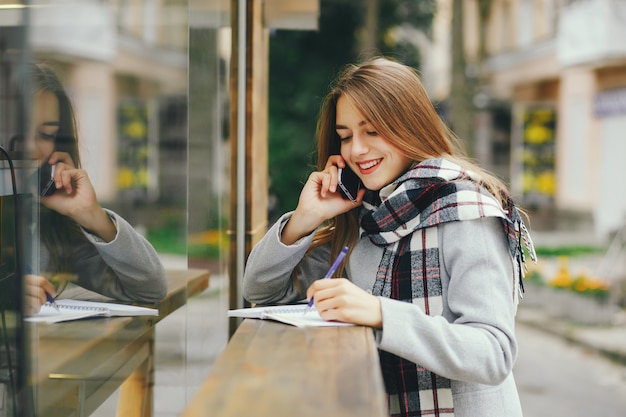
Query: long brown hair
391	97
58	233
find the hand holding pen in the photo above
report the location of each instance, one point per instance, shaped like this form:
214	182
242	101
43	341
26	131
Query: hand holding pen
50	300
330	273
39	283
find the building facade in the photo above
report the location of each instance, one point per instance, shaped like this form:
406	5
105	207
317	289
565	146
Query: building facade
553	89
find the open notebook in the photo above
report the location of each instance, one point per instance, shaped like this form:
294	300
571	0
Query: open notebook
76	309
289	314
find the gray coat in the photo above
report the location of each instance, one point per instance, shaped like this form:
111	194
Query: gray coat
473	344
125	269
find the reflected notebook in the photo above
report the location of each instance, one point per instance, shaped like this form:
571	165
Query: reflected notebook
77	309
293	314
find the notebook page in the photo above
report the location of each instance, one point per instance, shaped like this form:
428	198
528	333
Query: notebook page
293	314
298	318
112	309
49	314
78	309
259	312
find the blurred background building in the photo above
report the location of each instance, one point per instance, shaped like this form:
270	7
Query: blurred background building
548	87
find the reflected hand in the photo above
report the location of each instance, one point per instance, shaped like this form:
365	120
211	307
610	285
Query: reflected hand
63	160
75	193
36	288
76	198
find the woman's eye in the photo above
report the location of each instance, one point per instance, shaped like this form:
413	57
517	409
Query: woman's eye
47	136
341	139
372	133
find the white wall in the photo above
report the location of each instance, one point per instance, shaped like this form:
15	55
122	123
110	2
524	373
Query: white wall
610	210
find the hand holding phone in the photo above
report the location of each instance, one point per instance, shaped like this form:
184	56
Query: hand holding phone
46	179
349	183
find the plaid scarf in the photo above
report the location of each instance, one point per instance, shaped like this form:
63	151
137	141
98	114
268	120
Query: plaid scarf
403	218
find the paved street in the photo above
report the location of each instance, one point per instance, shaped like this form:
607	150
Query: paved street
559	379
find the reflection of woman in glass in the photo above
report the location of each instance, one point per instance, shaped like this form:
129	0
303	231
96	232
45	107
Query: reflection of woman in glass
97	248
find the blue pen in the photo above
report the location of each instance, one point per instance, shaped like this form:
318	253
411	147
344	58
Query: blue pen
49	298
330	272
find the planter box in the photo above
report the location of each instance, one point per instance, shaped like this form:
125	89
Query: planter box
567	305
579	309
536	295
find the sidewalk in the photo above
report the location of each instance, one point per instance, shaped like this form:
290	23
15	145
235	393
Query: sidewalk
609	340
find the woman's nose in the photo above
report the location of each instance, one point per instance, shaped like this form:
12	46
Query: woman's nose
359	144
33	150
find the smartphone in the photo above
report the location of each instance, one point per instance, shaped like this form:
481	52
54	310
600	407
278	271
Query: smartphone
46	179
349	183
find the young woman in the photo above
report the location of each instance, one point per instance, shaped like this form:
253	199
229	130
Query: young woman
95	247
435	261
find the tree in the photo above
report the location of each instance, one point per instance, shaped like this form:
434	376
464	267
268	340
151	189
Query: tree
461	112
467	78
302	64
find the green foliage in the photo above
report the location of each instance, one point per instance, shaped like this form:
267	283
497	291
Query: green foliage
407	14
535	277
569	251
303	64
168	239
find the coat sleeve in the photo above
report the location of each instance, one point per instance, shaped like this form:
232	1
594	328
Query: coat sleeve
474	341
127	269
268	276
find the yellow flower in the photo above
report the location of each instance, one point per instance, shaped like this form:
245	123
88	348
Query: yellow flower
562	279
136	129
125	178
546	183
536	134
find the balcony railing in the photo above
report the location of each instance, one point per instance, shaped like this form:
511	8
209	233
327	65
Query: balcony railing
592	31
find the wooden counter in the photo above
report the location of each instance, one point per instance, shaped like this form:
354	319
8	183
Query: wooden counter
77	365
273	369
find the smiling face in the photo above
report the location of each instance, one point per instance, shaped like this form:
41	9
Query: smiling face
45	125
374	159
